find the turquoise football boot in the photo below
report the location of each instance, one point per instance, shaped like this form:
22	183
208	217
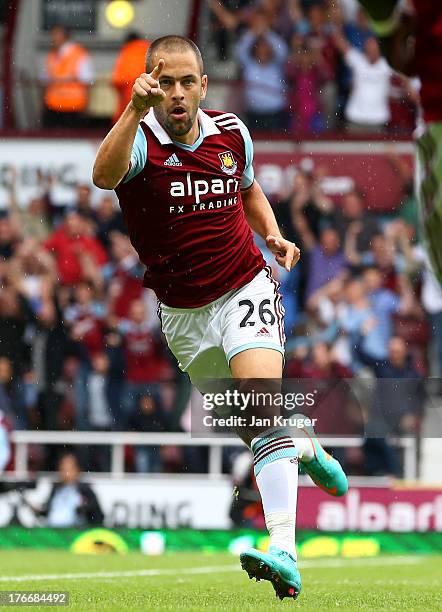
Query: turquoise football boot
325	471
277	566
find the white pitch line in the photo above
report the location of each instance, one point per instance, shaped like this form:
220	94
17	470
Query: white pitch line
127	574
399	560
208	570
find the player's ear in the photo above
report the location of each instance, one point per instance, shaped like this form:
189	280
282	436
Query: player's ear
204	81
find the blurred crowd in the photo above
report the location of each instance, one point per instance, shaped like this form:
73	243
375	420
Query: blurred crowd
80	342
308	66
305	67
81	346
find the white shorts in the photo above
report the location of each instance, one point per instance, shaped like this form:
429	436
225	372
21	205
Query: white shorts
205	339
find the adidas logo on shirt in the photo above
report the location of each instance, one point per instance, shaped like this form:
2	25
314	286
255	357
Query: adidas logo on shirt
264	332
173	161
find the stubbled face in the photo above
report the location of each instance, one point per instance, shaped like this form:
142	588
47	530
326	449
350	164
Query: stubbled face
184	87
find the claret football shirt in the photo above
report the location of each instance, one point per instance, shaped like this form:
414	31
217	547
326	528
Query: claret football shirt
183	209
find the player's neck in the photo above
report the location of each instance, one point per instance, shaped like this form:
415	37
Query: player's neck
192	135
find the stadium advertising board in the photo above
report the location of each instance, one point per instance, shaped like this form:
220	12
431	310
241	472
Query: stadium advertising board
309	544
371	509
61	163
181	502
343	166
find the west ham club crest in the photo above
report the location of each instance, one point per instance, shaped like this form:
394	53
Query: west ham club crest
228	162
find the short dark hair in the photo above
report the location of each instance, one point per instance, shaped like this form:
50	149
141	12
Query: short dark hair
72	455
173	43
61	26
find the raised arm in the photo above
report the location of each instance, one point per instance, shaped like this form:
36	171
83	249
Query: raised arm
229	20
113	157
341	43
350	249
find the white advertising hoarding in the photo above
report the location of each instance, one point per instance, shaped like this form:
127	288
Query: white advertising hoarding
145	503
34	163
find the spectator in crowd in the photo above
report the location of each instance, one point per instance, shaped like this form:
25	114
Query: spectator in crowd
305	73
49	352
144	357
356	319
130	63
370	309
67	77
16	316
32	220
332	407
123	274
417	261
381	252
325	257
5	446
148	416
305	204
236	15
396	408
306	201
75	251
85	320
318	36
227	16
108	218
408	209
11	396
99	410
71	502
262	55
367	107
9	237
358	31
33	271
83	201
352	213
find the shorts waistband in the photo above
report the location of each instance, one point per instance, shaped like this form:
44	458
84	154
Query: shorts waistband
172	310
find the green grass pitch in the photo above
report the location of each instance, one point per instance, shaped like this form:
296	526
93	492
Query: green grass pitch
198	582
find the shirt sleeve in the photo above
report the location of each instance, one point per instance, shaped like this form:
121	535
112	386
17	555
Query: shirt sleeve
353	58
138	156
248	175
278	45
243	48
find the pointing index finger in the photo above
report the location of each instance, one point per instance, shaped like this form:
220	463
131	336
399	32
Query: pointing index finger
157	70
